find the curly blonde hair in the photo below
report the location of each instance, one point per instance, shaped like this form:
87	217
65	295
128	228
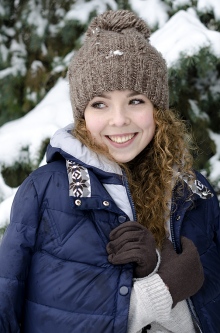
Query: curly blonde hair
154	172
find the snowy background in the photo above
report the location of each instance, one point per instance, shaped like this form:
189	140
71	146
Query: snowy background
181	35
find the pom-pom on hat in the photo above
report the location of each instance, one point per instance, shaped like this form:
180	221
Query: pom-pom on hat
117	55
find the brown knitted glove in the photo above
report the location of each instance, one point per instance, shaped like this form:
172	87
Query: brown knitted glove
182	273
132	242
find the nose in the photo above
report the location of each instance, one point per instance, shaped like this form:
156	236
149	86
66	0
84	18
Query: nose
119	117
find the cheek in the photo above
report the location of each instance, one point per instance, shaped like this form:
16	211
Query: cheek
147	123
93	125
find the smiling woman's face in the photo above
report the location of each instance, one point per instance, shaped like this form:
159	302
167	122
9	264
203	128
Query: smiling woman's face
123	121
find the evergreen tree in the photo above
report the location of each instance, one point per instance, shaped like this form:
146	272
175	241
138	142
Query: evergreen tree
36	38
194	87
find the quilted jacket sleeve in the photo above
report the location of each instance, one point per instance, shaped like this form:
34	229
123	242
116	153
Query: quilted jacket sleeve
16	250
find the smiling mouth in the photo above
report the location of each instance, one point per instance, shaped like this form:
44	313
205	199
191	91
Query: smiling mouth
121	138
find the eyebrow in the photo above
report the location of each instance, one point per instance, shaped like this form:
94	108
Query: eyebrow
103	95
133	93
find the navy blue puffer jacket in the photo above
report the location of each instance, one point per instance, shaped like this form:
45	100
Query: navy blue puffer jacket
54	272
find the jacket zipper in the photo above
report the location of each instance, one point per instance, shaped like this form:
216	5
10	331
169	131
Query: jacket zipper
195	319
129	196
171	223
191	310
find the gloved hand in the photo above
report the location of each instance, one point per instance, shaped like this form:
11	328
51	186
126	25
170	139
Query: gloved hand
132	242
182	273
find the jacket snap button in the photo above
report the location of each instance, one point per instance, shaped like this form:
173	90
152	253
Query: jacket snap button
121	219
123	290
106	203
78	202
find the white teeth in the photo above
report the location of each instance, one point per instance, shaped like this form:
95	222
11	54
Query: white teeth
121	139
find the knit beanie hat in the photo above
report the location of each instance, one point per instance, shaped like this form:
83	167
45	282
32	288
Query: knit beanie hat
117	55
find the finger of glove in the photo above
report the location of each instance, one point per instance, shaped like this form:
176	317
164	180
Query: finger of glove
190	259
184	265
188	247
127	237
148	264
184	274
184	284
190	256
142	238
126	226
126	257
140	255
168	252
128	246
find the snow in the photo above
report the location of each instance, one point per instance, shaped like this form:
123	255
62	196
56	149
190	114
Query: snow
31	95
178	3
76	12
35	66
18	63
7	71
5	191
68	57
5	208
154	12
53	112
114	53
184	34
60	64
3	50
35	17
117	52
16	3
60	12
8	31
196	112
212	5
43	49
5	205
215	160
2	10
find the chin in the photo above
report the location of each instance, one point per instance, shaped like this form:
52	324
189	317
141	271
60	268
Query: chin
123	160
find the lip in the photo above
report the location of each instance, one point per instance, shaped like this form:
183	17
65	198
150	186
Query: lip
124	144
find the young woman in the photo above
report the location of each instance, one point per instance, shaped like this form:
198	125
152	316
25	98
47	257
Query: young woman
116	233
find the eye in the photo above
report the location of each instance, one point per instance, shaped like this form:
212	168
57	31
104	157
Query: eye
98	105
136	101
